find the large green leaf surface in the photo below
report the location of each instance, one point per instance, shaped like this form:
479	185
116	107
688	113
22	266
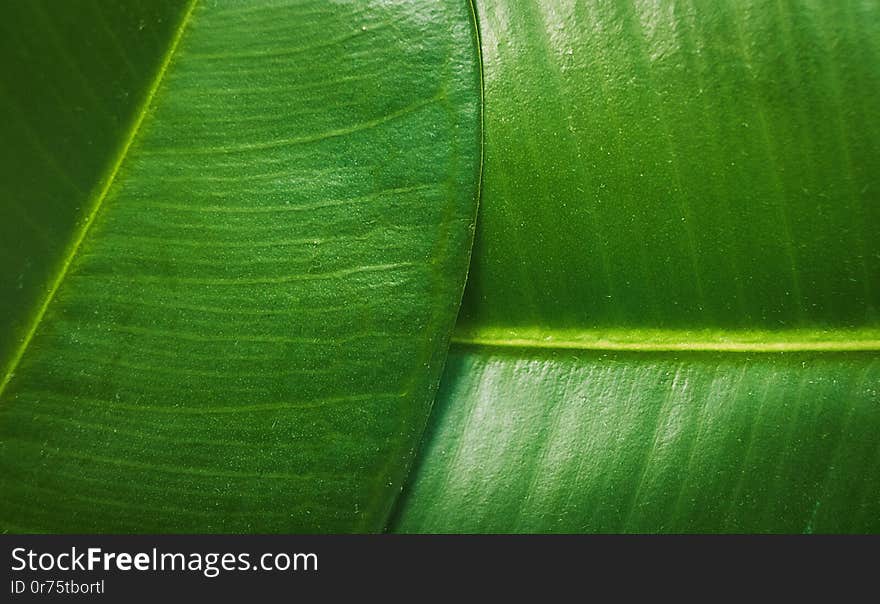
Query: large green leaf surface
238	233
248	327
671	321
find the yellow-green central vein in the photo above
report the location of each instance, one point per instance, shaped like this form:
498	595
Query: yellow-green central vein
675	341
96	200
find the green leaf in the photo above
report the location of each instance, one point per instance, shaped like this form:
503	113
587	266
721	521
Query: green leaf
543	441
73	77
678	165
246	331
671	322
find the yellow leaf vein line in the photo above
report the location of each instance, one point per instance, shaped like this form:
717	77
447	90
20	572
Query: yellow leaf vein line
97	200
613	345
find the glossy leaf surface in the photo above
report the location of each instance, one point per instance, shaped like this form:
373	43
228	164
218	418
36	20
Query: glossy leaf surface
247	334
671	318
678	164
650	442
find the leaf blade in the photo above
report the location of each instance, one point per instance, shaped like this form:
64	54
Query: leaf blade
685	166
666	184
541	441
67	114
251	333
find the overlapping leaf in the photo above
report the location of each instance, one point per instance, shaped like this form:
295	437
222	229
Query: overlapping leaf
247	332
671	321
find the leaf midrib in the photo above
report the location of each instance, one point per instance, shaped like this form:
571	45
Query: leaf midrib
96	200
636	340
